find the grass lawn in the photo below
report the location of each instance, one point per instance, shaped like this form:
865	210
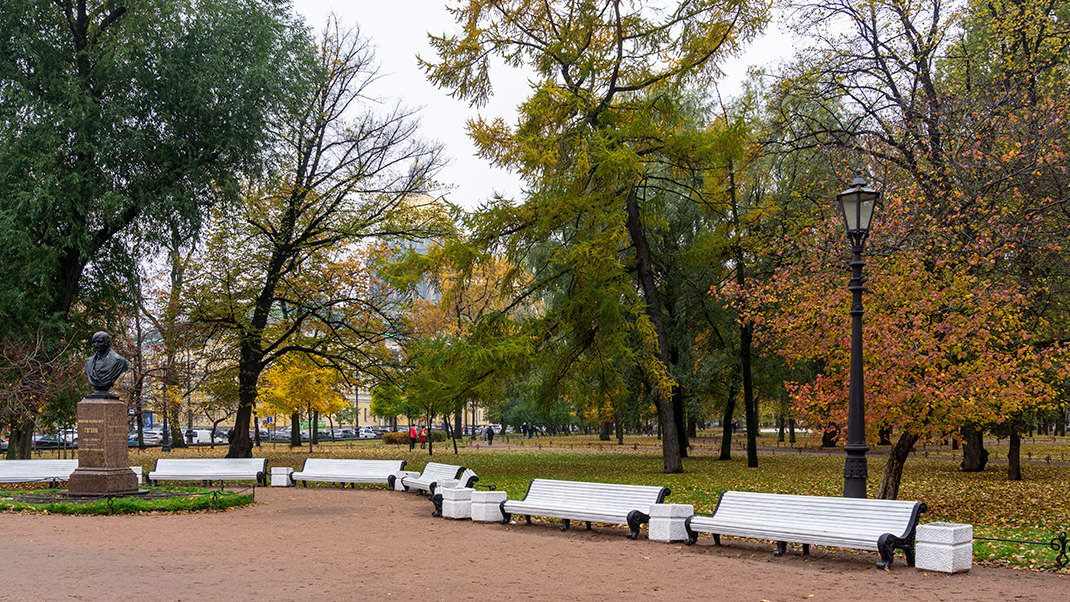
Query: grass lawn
1033	509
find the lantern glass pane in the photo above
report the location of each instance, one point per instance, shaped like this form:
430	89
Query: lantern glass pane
865	210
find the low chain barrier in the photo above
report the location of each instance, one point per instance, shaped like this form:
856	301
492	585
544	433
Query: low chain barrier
1057	544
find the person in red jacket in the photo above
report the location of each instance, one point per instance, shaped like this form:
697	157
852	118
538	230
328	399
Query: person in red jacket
423	437
412	437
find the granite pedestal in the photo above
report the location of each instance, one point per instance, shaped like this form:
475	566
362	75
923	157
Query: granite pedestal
103	456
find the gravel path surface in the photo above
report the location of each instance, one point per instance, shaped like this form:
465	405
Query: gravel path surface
351	544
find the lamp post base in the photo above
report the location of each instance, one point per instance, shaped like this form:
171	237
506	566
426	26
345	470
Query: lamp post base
855	470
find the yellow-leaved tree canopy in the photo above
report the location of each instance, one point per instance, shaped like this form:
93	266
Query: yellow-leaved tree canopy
298	384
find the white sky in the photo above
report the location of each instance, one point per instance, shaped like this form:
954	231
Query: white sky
399	28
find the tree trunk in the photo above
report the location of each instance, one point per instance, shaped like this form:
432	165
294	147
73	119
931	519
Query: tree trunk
670	443
20	438
884	435
1014	456
726	422
831	434
746	328
174	422
679	413
974	454
314	430
451	435
679	395
893	470
780	428
295	429
791	430
750	404
249	368
603	432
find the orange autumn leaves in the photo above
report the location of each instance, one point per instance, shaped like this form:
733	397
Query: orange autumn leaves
946	342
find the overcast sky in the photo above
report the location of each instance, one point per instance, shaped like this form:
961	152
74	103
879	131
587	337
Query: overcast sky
398	29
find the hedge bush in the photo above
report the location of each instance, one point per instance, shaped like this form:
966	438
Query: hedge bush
403	437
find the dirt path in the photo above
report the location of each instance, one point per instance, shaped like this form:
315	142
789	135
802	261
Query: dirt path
326	543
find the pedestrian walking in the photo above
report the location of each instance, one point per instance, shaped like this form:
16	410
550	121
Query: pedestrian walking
423	437
490	435
412	437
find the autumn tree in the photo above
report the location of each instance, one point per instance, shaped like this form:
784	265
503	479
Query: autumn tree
446	358
944	107
31	378
285	269
601	111
296	384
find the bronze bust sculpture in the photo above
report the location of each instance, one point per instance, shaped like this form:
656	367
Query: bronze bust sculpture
105	366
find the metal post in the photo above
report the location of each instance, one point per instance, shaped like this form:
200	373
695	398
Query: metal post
165	444
855	470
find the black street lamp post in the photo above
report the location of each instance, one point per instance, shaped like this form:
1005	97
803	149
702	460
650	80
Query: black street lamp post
857	204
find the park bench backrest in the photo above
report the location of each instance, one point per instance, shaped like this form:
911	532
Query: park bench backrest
831	513
210	465
37	469
352	467
607	496
435	471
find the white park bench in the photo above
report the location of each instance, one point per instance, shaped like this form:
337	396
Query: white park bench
591	502
330	470
436	475
210	469
862	524
28	471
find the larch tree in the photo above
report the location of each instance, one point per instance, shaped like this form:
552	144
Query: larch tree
602	111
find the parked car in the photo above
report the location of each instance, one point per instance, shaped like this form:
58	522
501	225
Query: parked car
52	442
152	436
345	433
367	433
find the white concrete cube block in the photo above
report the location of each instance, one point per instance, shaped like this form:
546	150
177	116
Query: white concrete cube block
486	506
281	476
456	493
403	473
457	508
944	547
138	472
667	521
